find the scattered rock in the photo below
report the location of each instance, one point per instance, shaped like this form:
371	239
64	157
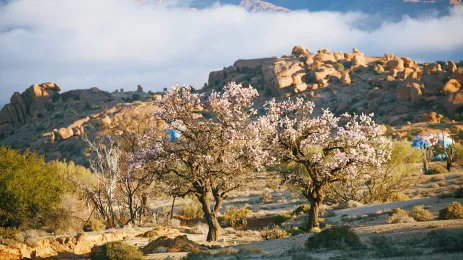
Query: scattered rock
178	244
395	64
300	51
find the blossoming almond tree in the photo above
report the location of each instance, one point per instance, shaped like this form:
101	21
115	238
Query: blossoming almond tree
211	156
322	149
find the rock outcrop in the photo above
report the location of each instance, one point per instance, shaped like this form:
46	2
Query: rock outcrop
71	246
35	99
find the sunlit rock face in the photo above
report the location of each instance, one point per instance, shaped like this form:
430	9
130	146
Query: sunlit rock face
388	9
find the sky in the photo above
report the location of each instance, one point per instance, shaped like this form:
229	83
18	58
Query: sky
113	44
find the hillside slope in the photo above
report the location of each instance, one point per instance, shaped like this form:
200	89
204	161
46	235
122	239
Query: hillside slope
398	90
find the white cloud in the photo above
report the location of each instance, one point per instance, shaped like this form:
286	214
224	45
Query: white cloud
118	43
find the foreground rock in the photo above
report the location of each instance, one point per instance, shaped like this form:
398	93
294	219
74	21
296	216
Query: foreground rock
65	246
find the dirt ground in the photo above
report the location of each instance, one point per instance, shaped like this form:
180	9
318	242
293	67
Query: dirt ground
366	221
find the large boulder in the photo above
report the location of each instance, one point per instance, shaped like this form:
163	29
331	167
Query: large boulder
324	57
358	60
395	64
282	73
94	96
408	63
451	86
432	84
432	68
215	78
345	78
21	106
451	66
388	56
458	75
252	64
453	102
15	112
300	51
36	96
402	91
409	90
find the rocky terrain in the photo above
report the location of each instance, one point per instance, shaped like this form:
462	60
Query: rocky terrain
52	123
398	90
390	9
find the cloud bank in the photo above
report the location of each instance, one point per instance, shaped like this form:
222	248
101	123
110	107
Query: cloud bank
115	44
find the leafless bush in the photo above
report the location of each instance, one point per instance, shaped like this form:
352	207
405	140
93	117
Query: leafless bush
273	233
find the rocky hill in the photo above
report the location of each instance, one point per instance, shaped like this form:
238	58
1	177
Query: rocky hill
398	90
52	123
259	6
388	9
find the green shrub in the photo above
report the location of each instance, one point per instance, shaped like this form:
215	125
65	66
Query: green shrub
244	69
418	213
437	169
30	190
55	96
336	237
237	217
135	97
282	218
452	211
118	251
339	66
459	193
445	120
8	233
193	209
59	116
384	247
302	209
446	240
273	232
75	97
94	225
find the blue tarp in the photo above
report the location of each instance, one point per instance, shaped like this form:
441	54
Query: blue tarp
426	141
421	144
173	135
440	157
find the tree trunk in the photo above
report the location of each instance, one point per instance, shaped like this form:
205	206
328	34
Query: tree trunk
211	219
218	201
172	209
315	198
425	161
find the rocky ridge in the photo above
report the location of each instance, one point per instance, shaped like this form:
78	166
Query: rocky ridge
52	124
398	90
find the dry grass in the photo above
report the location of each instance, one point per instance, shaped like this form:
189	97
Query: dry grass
419	213
452	211
437	178
399	216
273	233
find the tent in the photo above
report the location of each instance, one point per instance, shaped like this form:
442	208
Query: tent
429	140
173	135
